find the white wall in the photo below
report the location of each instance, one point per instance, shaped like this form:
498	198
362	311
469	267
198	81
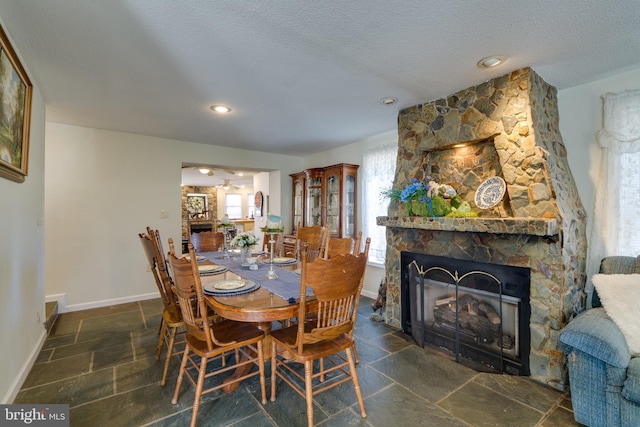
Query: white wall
580	112
22	261
103	188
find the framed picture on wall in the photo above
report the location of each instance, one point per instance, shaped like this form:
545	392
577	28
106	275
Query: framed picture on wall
15	113
258	203
197	206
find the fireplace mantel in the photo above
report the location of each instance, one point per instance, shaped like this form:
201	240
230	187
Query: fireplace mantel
522	225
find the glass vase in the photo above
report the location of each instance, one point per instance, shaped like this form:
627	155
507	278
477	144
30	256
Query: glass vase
245	255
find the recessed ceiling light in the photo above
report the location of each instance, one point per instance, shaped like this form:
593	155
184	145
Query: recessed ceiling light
389	100
490	61
204	170
221	109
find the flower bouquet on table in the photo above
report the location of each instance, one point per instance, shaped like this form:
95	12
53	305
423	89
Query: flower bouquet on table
245	241
430	198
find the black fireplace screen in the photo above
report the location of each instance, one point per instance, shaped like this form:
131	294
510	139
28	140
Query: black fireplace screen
477	311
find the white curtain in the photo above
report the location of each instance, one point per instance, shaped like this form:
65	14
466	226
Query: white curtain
616	223
378	171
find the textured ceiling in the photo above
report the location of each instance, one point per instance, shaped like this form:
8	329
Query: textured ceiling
301	76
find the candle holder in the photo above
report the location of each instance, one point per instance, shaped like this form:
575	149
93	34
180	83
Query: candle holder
272	233
225	241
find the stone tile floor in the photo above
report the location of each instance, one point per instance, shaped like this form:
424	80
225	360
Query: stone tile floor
102	363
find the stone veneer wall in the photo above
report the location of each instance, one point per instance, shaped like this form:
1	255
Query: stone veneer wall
542	223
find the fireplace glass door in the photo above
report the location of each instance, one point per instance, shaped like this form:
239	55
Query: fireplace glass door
477	311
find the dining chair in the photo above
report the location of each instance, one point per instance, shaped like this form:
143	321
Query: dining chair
314	237
171	323
336	284
208	342
338	246
207	241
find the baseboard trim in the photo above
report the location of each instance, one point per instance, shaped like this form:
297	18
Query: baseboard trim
15	387
104	303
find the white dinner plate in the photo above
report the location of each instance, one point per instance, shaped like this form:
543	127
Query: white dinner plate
490	192
211	269
199	258
229	286
284	260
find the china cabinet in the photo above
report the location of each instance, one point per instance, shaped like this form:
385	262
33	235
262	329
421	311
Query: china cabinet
326	196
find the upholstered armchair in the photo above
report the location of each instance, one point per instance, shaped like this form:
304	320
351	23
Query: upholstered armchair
604	378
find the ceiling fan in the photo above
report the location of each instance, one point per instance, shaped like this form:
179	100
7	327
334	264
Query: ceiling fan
226	185
206	170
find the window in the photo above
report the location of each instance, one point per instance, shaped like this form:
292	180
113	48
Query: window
378	169
616	224
233	205
251	205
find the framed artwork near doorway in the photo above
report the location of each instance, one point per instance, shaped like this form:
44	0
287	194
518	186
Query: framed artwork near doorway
259	203
15	113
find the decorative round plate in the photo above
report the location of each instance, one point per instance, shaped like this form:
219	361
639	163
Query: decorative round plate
490	192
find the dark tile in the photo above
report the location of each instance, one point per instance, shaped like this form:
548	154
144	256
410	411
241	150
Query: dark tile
391	342
343	396
112	356
145	372
368	353
425	373
348	417
97	312
145	344
134	408
60	329
43	373
73	391
560	417
44	356
480	406
257	420
89	346
522	389
290	409
57	341
113	324
398	406
151	306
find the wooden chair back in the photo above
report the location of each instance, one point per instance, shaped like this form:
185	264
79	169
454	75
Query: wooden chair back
336	246
188	288
336	284
207	241
314	237
152	260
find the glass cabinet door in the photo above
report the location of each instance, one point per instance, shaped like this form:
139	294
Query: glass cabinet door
350	206
314	202
297	204
333	204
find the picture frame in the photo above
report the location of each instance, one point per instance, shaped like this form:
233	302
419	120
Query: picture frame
197	206
258	203
15	89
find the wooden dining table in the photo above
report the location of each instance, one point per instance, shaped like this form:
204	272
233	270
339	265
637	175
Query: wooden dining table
274	300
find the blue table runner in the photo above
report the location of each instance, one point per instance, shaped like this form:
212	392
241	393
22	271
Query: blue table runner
286	286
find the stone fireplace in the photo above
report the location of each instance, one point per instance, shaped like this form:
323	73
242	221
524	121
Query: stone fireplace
505	127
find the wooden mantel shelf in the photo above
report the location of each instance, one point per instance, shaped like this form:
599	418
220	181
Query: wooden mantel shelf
515	225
